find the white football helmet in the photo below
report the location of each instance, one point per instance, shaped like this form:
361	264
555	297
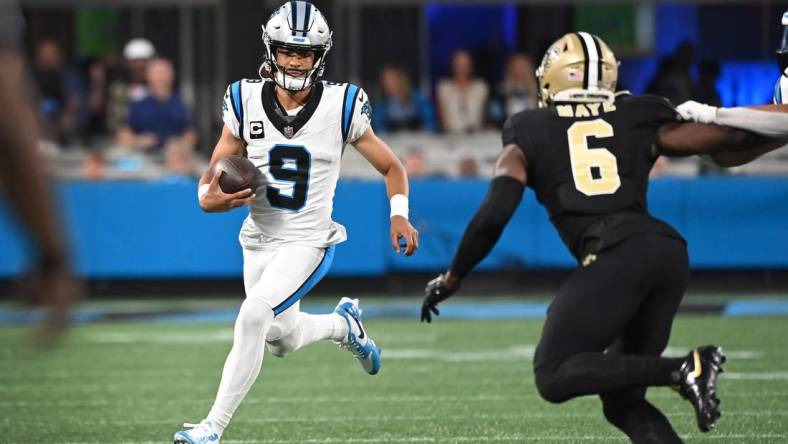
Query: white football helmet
782	52
298	26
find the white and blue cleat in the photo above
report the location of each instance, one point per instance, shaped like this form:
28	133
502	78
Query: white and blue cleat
357	341
202	433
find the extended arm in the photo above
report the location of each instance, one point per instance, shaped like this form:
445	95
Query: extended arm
210	195
484	230
730	136
380	156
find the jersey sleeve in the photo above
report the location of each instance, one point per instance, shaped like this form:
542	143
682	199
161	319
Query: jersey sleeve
232	109
508	135
356	113
657	108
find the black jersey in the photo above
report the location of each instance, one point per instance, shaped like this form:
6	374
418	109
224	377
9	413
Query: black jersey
589	166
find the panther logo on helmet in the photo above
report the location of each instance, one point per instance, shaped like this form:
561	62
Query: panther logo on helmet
296	26
578	67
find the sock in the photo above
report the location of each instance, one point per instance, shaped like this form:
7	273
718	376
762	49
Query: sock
315	328
244	361
637	418
308	330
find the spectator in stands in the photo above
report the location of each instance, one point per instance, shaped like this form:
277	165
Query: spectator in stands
660	168
179	160
673	78
94	165
462	99
415	164
58	101
517	92
469	167
705	89
95	119
403	107
161	117
132	86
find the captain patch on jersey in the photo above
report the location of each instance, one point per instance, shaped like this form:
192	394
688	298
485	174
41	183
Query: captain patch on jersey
299	153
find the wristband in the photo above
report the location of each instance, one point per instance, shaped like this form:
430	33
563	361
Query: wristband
202	191
399	205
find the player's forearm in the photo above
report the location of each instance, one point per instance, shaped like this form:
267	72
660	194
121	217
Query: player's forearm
765	120
487	225
747	153
768	120
396	179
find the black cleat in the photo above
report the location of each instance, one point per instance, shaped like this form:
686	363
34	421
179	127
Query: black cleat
699	384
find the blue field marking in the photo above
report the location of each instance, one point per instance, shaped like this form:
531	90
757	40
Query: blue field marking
397	310
757	307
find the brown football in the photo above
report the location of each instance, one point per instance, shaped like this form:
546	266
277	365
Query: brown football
238	174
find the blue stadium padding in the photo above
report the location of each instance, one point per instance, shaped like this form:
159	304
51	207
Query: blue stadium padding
13	243
737	223
156	229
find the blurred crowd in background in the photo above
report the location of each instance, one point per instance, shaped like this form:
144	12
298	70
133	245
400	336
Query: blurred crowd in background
122	116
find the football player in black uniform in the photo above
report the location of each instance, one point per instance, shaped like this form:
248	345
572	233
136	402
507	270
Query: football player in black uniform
587	153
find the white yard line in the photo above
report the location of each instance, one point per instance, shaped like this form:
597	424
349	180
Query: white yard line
738	437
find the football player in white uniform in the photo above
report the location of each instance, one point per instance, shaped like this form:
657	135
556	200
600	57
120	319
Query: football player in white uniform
781	88
293	127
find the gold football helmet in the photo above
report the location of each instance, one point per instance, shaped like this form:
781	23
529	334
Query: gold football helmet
578	67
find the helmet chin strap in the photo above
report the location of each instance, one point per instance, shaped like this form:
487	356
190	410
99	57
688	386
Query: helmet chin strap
285	81
291	83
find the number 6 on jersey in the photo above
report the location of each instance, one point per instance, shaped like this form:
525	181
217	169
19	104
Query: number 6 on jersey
587	161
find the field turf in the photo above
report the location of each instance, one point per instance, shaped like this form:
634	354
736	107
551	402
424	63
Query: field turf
453	381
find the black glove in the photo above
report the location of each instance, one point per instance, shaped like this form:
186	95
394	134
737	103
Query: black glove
435	292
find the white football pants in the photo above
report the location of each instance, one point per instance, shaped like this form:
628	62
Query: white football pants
275	279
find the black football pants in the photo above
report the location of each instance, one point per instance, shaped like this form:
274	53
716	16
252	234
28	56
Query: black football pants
607	327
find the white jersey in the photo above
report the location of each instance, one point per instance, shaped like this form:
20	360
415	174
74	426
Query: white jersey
781	89
299	160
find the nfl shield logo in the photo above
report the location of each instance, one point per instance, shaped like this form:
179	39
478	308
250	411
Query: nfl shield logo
289	132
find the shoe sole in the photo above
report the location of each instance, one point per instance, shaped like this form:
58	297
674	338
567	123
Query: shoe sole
716	358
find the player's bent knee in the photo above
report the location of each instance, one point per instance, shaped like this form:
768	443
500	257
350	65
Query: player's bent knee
254	315
278	349
549	384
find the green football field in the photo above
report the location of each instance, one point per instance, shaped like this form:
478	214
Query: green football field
452	381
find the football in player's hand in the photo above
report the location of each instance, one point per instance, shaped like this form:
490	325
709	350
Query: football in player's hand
238	174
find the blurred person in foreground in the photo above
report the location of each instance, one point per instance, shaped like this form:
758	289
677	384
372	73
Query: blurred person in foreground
403	108
159	118
293	127
587	153
22	179
132	84
462	98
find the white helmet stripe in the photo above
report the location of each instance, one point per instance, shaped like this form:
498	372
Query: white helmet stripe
592	64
